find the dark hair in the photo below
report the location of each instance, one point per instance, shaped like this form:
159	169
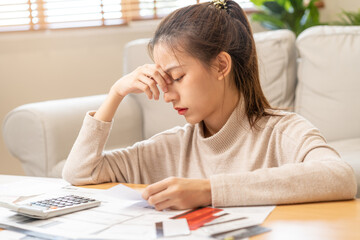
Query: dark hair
203	30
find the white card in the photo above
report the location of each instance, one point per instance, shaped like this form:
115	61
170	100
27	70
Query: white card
170	228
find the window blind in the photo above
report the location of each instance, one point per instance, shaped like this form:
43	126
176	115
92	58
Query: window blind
25	15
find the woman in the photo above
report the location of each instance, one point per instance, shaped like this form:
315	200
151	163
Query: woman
236	150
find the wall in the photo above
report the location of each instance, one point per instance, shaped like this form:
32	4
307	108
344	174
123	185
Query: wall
39	66
333	9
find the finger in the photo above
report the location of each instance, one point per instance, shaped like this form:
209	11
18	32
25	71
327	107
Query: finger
165	75
145	88
155	188
152	84
157	70
159	197
163	205
158	75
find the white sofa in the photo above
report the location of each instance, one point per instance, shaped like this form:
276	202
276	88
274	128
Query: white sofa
316	75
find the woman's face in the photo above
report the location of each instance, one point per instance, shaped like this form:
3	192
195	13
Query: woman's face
195	91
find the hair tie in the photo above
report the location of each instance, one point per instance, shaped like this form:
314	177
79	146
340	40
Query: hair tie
220	4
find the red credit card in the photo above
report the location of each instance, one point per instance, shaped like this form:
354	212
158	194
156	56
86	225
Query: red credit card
199	216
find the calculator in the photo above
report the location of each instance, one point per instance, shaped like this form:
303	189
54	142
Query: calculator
51	207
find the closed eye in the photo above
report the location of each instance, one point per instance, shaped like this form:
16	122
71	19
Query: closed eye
178	79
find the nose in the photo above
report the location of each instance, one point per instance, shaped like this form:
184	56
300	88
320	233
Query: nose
171	95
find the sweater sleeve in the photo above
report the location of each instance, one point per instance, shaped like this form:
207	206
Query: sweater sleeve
310	171
88	163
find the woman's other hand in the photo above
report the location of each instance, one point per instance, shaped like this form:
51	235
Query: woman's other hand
178	193
145	79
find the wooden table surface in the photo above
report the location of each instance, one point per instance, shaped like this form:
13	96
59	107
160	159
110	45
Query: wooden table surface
138	187
338	220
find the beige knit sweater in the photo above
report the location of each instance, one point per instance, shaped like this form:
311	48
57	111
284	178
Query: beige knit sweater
284	160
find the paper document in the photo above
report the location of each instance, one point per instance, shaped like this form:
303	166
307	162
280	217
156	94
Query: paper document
10	235
123	214
123	192
29	187
133	218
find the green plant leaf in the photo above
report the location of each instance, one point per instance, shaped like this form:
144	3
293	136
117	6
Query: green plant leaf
290	14
310	17
268	21
297	5
258	2
350	18
274	7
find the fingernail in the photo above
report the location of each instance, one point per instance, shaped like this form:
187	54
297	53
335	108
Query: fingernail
165	89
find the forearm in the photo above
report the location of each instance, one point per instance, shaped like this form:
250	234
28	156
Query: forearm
292	183
87	162
108	108
87	153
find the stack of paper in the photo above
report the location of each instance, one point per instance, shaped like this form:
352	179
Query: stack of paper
123	214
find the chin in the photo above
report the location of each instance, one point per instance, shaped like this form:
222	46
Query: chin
192	121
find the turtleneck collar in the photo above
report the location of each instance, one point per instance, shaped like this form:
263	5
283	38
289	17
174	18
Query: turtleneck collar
235	126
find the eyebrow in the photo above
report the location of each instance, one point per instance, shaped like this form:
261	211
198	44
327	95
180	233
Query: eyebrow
169	69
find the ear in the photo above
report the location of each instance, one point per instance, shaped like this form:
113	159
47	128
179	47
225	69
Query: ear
223	63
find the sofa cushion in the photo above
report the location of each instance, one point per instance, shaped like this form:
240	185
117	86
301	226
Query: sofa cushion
329	80
349	150
277	64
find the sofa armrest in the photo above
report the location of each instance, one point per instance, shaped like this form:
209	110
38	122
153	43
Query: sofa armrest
41	134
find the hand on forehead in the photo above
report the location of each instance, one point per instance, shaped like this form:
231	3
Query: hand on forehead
170	58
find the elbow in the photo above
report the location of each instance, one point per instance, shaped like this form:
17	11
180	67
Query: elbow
76	176
73	179
353	186
69	177
69	174
338	182
349	186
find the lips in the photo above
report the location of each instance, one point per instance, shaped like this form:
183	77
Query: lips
181	111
